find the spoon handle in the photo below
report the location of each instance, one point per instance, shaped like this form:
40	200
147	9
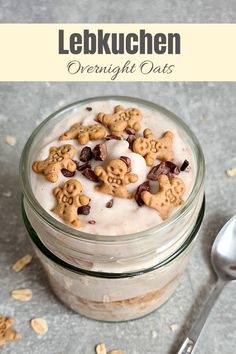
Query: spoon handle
190	341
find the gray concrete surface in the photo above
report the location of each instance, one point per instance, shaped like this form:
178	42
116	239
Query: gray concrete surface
210	110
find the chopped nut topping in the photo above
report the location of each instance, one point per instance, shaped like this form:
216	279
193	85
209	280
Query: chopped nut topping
21	263
142	188
21	294
109	204
130	140
100	152
39	325
185	164
67	173
127	161
86	154
130	131
101	349
89	174
84	210
112	137
84	166
160	169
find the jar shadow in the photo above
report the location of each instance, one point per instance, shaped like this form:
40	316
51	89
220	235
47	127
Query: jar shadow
209	231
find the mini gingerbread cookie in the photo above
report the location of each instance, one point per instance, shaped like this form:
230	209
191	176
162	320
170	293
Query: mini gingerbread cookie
6	332
120	120
84	133
114	178
151	148
58	159
168	196
69	199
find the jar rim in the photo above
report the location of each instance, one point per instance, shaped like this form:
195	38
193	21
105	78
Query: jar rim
55	259
73	233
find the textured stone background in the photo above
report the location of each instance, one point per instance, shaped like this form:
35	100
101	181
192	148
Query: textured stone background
210	110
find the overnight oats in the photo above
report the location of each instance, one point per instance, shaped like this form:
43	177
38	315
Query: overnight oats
113	200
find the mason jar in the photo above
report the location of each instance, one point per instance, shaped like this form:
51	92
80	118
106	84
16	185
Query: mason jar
107	277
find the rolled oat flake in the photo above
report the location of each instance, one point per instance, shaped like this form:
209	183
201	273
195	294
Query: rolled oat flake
39	325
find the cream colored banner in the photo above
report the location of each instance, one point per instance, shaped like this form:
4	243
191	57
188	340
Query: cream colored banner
30	52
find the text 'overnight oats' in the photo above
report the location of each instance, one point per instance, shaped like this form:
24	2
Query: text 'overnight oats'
113	169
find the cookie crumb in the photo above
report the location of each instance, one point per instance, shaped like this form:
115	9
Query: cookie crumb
92	222
10	140
21	294
21	263
89	109
116	352
101	349
173	327
39	325
231	172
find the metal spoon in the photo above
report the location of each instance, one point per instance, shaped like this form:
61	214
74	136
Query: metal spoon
223	259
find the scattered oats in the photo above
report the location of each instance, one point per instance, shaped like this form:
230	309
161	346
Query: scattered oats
21	294
7	194
21	263
231	172
39	325
204	117
101	349
174	327
10	140
154	334
116	352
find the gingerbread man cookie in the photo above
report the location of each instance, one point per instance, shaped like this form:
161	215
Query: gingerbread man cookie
58	159
69	199
168	196
114	178
120	120
6	332
151	148
84	133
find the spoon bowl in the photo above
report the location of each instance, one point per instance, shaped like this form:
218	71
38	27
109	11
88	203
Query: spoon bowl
223	254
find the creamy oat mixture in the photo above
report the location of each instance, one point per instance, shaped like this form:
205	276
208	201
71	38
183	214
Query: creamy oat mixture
124	216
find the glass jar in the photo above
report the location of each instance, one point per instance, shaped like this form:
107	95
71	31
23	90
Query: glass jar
105	277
